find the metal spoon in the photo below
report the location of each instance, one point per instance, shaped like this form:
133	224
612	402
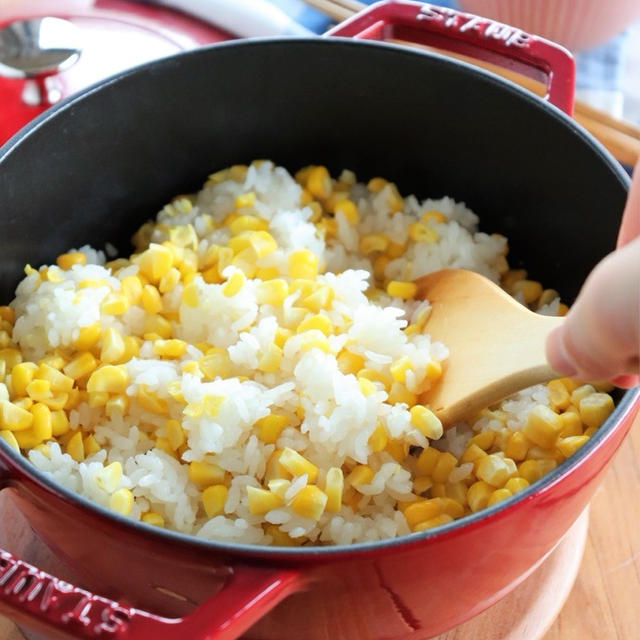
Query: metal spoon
38	47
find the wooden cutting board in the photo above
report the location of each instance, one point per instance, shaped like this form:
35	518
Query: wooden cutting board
602	604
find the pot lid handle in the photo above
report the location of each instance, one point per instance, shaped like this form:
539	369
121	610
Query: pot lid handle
469	35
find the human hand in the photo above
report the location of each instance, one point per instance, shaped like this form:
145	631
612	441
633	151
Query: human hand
600	338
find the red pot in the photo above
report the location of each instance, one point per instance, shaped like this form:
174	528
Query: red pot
109	156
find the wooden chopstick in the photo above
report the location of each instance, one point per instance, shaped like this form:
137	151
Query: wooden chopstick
621	138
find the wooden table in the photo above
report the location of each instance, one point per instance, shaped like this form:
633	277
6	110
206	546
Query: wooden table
605	600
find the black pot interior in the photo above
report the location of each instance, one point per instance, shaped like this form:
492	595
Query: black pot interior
94	169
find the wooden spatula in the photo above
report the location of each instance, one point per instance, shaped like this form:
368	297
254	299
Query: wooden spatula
497	345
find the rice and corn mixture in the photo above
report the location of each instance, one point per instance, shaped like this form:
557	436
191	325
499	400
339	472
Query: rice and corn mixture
254	371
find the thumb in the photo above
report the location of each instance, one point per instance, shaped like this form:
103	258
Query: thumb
600	338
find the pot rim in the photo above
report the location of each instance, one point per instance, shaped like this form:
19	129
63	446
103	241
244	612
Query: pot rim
626	404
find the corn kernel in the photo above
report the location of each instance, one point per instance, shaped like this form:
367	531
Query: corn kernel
169	280
398	393
59	422
372	242
205	474
532	470
151	517
154	262
443	518
303	263
262	500
214	498
270	359
376	185
349	209
75	447
318	182
247	223
595	408
568	446
498	495
296	464
378	439
495	470
270	427
13	417
82	365
581	392
516	484
530	290
405	290
361	474
39	390
87	336
112	346
21	375
379	266
420	232
10	439
233	285
427	461
472	453
422	511
517	446
443	467
543	426
426	422
478	495
7	314
559	396
309	502
108	379
114	304
67	260
571	424
121	501
279	486
334	487
317	321
433	215
11	357
169	348
175	434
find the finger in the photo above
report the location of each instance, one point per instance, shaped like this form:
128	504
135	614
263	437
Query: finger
630	226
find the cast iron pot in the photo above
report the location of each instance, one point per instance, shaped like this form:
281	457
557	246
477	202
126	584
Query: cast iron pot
94	168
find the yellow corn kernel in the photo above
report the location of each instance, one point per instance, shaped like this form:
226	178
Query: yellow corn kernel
296	464
41	428
108	379
21	375
112	346
568	446
262	244
169	348
404	290
497	495
75	447
59	422
175	434
270	427
581	392
453	507
55	361
372	242
559	396
516	484
349	209
280	538
156	327
399	368
151	517
317	321
570	384
529	290
11	357
10	439
421	484
151	402
484	440
7	314
314	339
595	408
495	470
163	445
426	422
543	426
397	449
115	304
272	292
23	403
214	498
205	474
472	453
90	445
121	501
246	222
443	518
378	439
67	260
571	424
169	280
82	365
39	390
190	295
309	502
420	232
511	277
303	263
349	362
233	284
478	495
532	470
427	461
399	393
379	266
333	488
13	417
376	185
151	300
361	474
269	361
215	363
318	182
279	486
131	348
75	396
563	309
517	446
57	401
422	511
395	250
87	336
433	215
262	500
321	298
59	381
444	466
433	370
154	262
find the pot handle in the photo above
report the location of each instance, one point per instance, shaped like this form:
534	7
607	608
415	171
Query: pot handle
40	601
470	35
